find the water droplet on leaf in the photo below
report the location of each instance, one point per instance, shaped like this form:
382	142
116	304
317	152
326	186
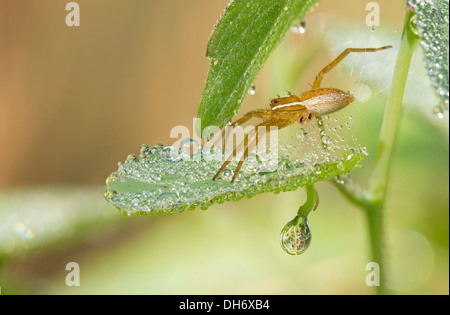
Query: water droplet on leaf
189	149
252	89
438	111
170	153
299	27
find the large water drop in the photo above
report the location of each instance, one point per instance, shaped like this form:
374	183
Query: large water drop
296	236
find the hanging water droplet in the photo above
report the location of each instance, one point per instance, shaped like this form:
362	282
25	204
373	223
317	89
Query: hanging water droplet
170	153
299	27
296	236
438	111
252	89
287	93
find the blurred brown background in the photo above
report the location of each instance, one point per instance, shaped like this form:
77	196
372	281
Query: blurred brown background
75	100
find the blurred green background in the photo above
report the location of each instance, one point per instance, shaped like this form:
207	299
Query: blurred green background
76	100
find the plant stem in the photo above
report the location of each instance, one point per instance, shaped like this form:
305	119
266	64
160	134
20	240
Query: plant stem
311	203
377	190
373	201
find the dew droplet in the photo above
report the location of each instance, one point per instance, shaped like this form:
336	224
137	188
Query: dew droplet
170	153
252	89
299	27
284	166
301	133
144	151
296	236
252	164
189	149
157	148
438	111
227	175
113	177
167	199
131	158
327	140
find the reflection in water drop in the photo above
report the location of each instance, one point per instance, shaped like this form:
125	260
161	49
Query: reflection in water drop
296	236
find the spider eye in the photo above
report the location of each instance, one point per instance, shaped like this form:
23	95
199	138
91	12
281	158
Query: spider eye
274	101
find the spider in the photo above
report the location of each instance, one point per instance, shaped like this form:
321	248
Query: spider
285	111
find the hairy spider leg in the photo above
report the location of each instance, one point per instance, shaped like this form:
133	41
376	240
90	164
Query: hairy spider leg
339	58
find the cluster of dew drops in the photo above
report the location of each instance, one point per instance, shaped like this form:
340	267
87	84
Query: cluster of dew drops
431	27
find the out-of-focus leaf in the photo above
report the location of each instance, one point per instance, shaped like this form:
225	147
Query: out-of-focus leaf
39	218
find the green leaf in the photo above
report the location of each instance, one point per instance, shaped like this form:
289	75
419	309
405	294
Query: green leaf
238	48
431	24
153	185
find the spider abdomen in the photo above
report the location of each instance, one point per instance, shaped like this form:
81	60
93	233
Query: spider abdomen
323	101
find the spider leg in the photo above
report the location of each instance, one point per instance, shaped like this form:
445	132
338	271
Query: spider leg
278	123
332	64
230	157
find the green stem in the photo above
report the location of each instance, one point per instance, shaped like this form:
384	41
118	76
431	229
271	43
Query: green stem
377	189
311	203
373	200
